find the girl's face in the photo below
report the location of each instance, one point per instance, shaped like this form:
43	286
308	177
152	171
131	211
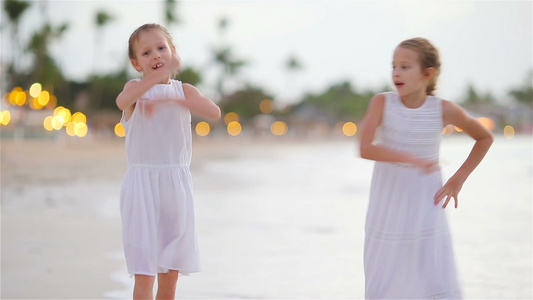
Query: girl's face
152	51
407	73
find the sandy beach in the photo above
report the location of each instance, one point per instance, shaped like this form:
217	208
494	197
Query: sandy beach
56	241
276	219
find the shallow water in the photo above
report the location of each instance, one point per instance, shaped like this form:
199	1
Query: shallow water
286	220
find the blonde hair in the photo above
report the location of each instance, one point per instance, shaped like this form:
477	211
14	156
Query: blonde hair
151	26
429	58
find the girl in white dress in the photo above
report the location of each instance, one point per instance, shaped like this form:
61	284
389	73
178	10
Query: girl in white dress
408	252
156	201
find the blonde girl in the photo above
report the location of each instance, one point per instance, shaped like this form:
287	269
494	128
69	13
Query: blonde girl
408	252
156	202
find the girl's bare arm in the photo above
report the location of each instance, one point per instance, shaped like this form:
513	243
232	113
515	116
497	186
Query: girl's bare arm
369	150
454	114
199	104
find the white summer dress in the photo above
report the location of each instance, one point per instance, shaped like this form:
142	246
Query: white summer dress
408	252
156	200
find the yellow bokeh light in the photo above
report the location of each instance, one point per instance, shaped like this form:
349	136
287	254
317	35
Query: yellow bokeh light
266	106
349	129
508	132
234	128
57	110
20	98
71	129
5	117
81	129
79	117
43	98
13	95
203	128
231	117
448	130
57	122
279	128
48	123
119	130
34	104
65	114
487	122
35	90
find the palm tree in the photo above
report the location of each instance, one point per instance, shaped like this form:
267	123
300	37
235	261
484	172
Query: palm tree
170	16
223	56
102	18
14	10
292	66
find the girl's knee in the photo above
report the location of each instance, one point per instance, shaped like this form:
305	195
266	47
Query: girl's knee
168	279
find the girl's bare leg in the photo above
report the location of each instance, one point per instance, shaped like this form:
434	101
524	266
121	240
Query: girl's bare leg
144	286
167	285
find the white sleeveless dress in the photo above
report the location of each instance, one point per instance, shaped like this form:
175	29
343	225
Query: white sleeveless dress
408	252
156	200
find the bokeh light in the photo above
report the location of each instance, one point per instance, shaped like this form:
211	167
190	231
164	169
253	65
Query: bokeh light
70	129
75	124
5	117
508	132
349	129
234	128
448	130
203	128
35	90
231	117
57	122
64	113
487	122
13	95
119	130
279	128
266	106
47	123
81	129
79	117
43	98
20	98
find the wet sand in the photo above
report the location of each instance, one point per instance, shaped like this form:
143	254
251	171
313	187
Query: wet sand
276	219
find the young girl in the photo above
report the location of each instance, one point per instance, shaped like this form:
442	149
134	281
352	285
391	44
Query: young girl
157	211
408	252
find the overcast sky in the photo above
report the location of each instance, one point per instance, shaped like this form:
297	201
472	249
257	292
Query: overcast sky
486	43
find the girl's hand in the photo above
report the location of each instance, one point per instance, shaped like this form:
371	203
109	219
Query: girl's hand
450	190
168	70
174	65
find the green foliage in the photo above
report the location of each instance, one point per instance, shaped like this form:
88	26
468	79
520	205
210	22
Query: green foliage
102	18
339	101
474	97
244	102
104	89
293	64
170	16
524	93
15	9
189	75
